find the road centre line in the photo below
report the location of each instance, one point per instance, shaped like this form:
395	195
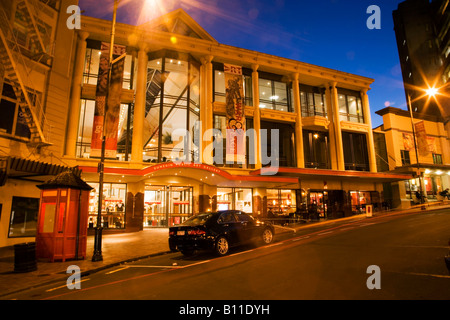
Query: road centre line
320	234
113	271
301	238
65	286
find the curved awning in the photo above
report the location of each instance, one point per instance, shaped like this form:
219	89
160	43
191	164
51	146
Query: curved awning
197	171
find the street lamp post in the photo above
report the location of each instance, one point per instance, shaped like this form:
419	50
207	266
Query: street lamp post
98	256
415	148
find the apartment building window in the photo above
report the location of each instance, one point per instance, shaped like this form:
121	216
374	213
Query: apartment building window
350	106
274	93
13	121
315	146
437	158
355	151
313	101
405	157
219	84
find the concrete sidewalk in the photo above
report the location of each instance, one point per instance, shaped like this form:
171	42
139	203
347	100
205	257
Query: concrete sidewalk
125	247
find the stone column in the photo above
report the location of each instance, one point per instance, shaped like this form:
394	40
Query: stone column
370	142
298	122
75	96
337	127
207	109
331	132
256	116
139	106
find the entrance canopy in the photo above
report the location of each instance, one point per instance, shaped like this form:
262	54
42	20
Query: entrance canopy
202	173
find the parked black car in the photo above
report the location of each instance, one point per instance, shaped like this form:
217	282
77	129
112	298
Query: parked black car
218	231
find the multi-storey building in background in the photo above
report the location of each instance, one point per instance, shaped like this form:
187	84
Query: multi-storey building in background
308	143
423	41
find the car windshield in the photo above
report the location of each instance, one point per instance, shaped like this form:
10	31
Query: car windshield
198	219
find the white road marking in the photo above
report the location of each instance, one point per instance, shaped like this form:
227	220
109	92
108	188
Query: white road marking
65	286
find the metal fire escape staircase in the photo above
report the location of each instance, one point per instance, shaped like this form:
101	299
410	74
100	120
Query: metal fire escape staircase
17	70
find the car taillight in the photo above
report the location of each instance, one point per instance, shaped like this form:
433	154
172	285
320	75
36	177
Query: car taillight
196	232
171	233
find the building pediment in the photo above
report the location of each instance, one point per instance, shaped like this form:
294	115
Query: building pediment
178	22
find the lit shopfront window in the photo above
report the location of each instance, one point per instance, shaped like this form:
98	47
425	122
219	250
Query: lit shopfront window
281	201
235	199
167	205
113	207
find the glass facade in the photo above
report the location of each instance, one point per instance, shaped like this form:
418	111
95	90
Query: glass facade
313	101
85	129
350	106
355	151
315	149
219	84
172	109
274	93
285	135
92	63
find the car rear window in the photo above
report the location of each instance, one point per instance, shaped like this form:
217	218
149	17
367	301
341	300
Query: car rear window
198	219
242	217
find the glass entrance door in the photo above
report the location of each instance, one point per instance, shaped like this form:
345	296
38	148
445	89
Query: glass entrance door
166	206
318	201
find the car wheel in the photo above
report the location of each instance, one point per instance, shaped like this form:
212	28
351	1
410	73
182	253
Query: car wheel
222	246
267	236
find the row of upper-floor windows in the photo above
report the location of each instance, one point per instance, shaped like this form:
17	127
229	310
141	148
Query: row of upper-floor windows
275	91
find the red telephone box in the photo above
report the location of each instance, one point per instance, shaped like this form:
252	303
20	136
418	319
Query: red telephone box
63	216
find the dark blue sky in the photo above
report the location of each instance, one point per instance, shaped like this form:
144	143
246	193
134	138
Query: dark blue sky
328	33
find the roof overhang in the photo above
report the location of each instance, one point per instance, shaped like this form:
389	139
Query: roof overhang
30	170
324	174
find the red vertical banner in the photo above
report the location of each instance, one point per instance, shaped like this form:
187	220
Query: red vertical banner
111	108
235	113
422	141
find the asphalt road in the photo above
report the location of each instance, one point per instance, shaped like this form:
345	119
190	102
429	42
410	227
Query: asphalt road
330	262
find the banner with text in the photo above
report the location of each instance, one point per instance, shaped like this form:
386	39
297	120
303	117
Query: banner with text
112	91
235	114
422	140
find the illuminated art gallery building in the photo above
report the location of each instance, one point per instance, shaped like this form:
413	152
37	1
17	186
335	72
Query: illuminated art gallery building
302	133
177	87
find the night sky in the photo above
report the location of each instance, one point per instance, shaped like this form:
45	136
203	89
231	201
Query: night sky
327	33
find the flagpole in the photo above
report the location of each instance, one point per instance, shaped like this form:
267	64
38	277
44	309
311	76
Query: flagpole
98	256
